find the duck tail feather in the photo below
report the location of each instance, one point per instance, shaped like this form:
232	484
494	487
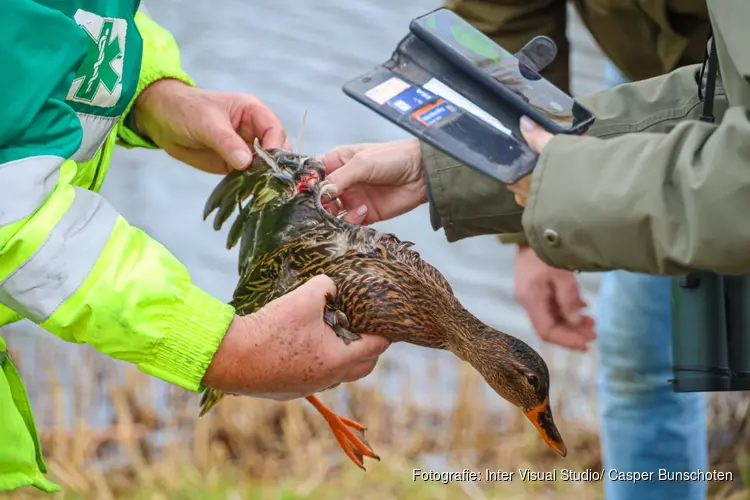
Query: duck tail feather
209	399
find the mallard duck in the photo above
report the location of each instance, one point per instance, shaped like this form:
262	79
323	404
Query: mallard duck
287	236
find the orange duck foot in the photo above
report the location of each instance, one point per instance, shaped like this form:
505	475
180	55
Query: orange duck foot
349	434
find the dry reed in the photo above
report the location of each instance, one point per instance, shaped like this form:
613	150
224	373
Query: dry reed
152	445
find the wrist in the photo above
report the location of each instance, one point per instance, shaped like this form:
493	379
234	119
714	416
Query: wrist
192	334
147	107
231	362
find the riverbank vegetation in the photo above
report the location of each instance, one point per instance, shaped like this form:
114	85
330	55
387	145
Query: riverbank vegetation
155	447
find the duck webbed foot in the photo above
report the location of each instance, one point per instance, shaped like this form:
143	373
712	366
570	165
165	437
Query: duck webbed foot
349	434
338	321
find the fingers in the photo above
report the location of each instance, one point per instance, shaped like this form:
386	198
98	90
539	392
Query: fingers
551	298
338	157
220	135
360	371
318	286
552	328
368	347
257	120
357	216
568	296
521	190
357	171
568	337
540	311
567	293
273	135
547	320
536	137
202	159
362	356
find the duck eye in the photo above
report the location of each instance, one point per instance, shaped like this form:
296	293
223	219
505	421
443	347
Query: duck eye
531	379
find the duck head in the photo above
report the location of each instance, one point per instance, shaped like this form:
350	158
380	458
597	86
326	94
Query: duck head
517	373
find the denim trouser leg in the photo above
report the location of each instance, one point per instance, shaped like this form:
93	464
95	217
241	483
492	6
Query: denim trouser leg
612	75
645	426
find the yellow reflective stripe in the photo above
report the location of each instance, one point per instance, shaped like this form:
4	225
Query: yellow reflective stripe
24	186
20	240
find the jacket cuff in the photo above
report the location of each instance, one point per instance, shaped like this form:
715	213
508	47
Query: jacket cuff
435	220
187	348
466	202
433	161
550	187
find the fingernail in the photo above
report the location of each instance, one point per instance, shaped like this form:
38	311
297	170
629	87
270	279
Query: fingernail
362	210
527	124
574	319
330	186
240	159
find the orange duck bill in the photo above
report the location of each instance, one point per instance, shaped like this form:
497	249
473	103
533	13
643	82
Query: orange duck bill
541	417
349	434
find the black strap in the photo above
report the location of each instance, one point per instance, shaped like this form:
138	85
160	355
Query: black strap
712	59
715	370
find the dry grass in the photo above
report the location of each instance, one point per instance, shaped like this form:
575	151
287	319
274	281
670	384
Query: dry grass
153	446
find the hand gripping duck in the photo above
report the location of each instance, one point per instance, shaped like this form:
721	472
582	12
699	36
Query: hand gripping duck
287	237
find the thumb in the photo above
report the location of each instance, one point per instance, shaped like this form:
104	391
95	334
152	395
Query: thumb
338	157
220	136
536	137
366	347
357	170
319	286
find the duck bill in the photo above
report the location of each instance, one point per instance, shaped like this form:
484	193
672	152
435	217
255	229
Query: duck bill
541	417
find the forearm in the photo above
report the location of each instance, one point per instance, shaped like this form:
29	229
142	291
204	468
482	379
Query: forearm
79	270
161	59
68	260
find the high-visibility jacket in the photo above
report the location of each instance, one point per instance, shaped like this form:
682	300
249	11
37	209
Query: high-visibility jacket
70	71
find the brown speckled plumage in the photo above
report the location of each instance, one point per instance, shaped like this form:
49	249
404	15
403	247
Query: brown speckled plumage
383	286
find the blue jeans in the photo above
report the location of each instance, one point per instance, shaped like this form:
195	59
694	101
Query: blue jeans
645	426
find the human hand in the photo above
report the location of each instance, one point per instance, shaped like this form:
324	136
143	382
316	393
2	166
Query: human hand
536	137
286	351
377	181
208	130
552	299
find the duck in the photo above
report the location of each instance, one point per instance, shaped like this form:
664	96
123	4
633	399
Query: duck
287	235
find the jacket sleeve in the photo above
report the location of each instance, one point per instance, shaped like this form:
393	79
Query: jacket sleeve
68	260
161	59
660	202
653	105
465	202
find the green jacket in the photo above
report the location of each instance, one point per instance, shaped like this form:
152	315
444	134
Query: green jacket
68	261
671	33
664	200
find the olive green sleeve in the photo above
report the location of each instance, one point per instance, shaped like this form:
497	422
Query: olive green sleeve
465	202
458	194
665	201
